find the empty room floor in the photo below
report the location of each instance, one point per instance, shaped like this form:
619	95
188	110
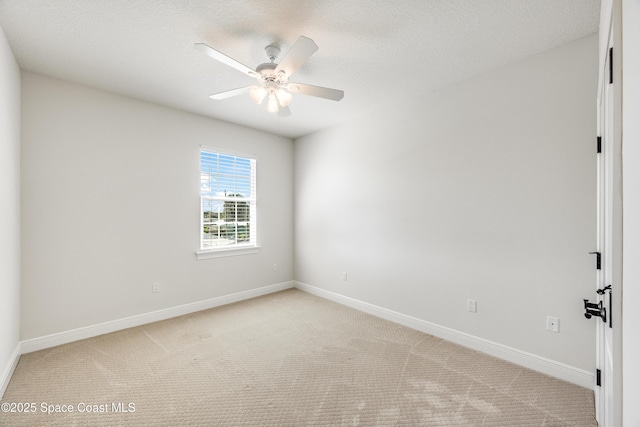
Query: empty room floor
284	359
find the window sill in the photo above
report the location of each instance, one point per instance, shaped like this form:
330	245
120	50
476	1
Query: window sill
220	253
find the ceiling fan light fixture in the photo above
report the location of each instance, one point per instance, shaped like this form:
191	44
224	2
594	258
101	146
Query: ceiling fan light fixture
272	104
284	97
257	94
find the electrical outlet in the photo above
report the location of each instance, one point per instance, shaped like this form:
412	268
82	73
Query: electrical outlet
155	287
343	276
553	324
275	267
472	306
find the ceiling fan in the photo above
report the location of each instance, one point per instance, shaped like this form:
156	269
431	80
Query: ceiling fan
273	79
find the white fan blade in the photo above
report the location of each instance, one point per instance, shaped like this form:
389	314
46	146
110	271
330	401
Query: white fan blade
229	93
284	111
219	56
320	92
301	50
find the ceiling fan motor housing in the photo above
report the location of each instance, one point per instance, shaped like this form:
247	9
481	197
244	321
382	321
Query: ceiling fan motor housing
267	71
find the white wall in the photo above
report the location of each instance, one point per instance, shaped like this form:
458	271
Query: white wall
9	210
482	190
110	204
631	210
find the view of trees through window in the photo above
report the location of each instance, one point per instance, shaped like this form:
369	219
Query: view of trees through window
227	192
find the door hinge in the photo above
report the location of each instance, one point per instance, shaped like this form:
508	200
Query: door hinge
598	259
599	144
610	65
598	377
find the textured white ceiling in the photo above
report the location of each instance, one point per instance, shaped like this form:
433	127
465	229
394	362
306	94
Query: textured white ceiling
374	50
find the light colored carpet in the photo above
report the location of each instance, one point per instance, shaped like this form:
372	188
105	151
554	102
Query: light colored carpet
285	359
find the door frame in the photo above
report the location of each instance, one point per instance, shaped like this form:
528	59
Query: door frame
627	36
604	388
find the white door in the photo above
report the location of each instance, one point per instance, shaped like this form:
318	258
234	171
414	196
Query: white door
604	284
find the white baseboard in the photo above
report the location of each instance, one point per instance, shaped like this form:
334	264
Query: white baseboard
7	373
537	363
546	366
48	341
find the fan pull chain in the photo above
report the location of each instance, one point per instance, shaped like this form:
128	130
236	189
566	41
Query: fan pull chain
278	127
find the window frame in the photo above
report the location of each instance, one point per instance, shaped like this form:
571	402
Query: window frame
234	249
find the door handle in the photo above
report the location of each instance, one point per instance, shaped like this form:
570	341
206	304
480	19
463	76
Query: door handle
592	309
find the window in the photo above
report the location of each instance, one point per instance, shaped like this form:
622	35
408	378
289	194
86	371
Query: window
227	201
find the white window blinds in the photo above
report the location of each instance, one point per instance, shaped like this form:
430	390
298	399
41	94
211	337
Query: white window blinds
227	200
